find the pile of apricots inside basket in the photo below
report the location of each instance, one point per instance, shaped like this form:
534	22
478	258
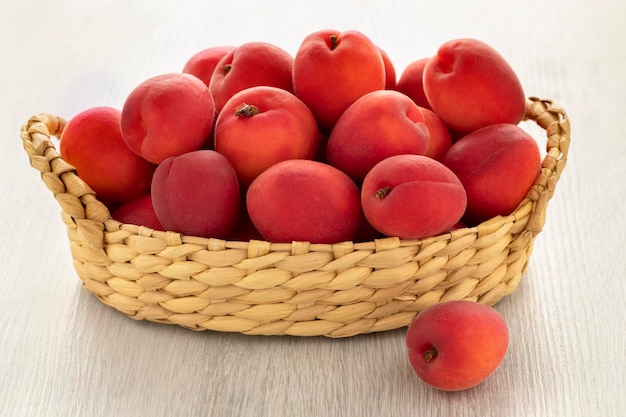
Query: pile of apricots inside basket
329	145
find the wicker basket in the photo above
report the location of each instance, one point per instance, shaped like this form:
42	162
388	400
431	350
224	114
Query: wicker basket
300	289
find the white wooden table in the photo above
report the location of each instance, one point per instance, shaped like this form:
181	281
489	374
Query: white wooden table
63	353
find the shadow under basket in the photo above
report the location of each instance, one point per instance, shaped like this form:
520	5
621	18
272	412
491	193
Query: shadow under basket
299	289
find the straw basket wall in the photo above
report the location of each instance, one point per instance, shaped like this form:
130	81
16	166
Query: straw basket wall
300	289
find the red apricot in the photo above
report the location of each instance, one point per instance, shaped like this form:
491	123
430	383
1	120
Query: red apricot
92	142
303	200
440	137
244	230
378	125
390	70
411	83
249	65
497	166
197	194
470	85
332	69
167	115
456	345
412	197
203	63
260	126
138	211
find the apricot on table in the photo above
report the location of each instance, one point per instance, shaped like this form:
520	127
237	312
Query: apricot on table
455	345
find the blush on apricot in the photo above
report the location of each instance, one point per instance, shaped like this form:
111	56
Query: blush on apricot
332	69
303	200
412	197
167	115
470	85
92	142
197	194
249	65
440	137
455	345
378	125
203	63
390	70
262	125
138	211
411	82
497	165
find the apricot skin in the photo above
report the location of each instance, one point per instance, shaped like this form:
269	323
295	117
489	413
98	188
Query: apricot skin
411	82
456	345
197	194
332	69
303	200
167	115
378	125
390	70
497	166
284	128
412	197
249	65
138	211
470	85
440	137
93	144
203	63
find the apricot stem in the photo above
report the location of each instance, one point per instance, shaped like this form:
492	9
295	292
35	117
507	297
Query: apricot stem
430	354
383	192
226	69
246	110
334	41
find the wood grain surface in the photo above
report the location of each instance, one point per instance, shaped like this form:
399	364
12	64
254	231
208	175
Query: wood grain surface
64	353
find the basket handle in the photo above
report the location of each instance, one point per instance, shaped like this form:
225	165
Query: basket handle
553	118
75	197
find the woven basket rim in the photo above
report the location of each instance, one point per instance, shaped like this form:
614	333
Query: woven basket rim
97	230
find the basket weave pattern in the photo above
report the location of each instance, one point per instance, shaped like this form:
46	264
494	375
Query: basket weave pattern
300	289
